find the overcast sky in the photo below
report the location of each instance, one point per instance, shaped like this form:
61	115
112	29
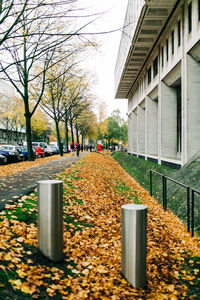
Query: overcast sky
102	63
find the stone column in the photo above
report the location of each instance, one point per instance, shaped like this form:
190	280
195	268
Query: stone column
168	122
152	126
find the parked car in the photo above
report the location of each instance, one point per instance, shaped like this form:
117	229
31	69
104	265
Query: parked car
12	152
3	159
39	151
47	151
24	152
54	149
45	148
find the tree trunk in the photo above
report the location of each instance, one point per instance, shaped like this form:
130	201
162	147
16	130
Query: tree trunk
66	135
26	107
72	133
82	140
77	135
28	133
58	138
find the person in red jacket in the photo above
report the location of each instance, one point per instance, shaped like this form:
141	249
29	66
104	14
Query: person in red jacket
72	148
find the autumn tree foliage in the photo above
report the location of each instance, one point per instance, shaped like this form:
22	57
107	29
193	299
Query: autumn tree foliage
78	101
101	115
12	117
54	100
116	128
87	124
40	125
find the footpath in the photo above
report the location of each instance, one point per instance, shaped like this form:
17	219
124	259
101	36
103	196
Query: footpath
95	188
23	176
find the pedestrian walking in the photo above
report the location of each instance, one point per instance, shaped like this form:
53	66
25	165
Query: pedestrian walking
78	147
72	148
90	148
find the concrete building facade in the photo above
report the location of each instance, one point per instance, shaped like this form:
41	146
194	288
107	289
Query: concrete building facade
158	70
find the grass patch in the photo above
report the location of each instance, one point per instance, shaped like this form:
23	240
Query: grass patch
139	168
189	175
125	190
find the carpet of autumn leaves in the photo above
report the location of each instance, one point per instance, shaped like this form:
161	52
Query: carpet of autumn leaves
94	190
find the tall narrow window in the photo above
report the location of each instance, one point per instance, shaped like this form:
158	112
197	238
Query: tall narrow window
172	42
149	75
199	10
190	17
179	32
167	49
162	53
155	66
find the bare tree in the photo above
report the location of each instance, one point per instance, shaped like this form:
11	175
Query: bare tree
35	36
34	48
54	98
10	16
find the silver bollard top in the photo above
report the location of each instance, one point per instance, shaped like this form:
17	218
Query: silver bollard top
50	181
133	206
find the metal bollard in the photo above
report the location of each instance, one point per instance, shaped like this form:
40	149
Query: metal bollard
134	232
50	218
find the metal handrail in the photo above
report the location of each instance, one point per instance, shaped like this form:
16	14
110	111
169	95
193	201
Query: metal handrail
192	210
164	188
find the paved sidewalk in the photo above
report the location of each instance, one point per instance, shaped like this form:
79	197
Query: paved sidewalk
22	183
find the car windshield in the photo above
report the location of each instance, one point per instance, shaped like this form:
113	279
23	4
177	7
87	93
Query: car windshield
7	147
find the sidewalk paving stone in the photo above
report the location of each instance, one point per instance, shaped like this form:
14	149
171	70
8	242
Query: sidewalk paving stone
24	182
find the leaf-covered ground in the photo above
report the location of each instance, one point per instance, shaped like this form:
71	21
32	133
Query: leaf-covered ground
94	190
13	168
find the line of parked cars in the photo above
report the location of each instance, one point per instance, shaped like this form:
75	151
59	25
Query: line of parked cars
14	153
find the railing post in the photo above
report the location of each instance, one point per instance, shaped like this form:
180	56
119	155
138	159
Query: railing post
165	180
50	218
164	192
151	192
192	214
163	188
134	243
188	208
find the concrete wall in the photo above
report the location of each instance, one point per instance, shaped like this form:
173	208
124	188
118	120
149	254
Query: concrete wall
193	105
168	122
154	129
141	129
129	133
152	126
135	131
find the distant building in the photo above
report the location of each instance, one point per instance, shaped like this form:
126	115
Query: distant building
9	134
158	70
